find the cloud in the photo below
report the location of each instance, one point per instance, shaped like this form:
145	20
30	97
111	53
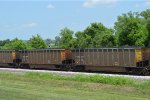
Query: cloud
93	3
50	6
30	25
137	5
143	3
147	3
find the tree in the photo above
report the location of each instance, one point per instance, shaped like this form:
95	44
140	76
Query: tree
130	30
82	40
15	44
49	42
146	20
57	41
95	35
36	42
66	38
145	14
3	42
104	40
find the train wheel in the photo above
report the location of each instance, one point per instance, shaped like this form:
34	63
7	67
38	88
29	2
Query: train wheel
16	65
69	67
146	72
79	68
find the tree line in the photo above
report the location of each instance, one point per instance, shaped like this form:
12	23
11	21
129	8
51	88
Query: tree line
130	29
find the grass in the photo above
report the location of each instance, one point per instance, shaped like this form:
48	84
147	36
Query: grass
84	78
44	86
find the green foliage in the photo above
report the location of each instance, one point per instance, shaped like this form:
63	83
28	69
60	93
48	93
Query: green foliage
49	42
15	44
3	42
146	14
106	39
57	41
66	38
146	20
95	35
81	40
36	42
130	30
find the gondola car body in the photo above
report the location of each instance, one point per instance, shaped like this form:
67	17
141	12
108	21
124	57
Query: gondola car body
45	58
125	59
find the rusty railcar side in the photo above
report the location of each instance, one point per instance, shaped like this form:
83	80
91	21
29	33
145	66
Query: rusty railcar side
105	56
7	58
45	58
112	59
143	57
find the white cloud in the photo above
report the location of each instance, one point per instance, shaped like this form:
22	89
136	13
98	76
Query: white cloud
137	5
50	6
147	3
93	3
30	25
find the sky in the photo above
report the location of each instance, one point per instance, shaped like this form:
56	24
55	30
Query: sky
25	18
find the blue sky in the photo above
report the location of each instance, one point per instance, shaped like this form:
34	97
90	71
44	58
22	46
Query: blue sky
24	18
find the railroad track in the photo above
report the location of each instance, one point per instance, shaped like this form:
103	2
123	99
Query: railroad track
13	70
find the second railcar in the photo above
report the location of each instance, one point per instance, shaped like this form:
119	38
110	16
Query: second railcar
131	59
46	58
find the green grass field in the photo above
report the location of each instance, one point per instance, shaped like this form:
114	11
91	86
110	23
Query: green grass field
43	86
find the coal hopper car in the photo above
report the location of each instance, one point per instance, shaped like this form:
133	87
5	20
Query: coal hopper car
134	60
9	58
131	59
46	58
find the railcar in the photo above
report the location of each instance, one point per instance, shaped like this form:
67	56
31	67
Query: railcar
134	60
129	59
9	58
46	59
